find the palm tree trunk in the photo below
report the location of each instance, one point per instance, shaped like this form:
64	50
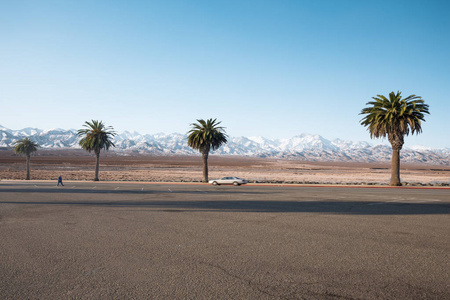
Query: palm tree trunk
397	141
395	168
28	167
205	155
97	165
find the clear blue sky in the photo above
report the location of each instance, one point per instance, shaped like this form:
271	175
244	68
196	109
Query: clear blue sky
265	68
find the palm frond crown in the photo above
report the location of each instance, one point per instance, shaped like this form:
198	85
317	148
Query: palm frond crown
25	146
206	135
394	116
96	136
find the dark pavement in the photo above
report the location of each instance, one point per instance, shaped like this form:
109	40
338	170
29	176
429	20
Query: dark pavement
96	240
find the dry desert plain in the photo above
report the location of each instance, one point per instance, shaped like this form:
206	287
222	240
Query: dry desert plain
79	165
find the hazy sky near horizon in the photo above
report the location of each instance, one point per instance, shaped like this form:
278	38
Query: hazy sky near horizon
264	68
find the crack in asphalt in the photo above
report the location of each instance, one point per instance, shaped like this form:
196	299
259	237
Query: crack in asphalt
289	296
249	282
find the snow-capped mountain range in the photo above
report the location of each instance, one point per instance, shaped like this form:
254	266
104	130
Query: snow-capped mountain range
303	146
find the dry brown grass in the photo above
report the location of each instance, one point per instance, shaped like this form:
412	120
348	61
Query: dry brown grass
79	165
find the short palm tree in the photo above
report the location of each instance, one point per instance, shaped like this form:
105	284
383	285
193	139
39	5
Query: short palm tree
96	136
394	117
26	147
205	136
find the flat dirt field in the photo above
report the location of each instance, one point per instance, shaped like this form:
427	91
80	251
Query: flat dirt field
123	240
79	165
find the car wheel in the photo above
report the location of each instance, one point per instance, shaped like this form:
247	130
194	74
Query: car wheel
236	183
215	183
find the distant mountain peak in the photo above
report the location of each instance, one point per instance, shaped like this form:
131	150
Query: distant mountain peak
303	146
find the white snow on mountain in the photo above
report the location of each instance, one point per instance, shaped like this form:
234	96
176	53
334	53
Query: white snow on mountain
420	148
303	146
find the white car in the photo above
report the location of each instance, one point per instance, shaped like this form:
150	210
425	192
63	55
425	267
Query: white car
228	180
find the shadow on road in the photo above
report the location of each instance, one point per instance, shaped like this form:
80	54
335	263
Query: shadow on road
270	206
119	191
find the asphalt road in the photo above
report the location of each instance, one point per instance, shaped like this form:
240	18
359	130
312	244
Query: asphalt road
99	240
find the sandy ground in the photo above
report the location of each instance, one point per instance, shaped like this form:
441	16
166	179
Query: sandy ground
78	165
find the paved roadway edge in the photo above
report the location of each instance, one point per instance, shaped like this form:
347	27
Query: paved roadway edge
362	186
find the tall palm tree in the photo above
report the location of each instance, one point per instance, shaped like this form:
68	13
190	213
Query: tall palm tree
26	147
205	136
394	117
96	136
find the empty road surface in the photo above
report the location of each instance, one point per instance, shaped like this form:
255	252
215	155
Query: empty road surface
98	240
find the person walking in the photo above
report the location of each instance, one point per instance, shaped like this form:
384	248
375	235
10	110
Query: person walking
60	181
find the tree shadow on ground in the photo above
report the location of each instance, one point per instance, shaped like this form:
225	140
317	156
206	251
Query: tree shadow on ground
269	206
